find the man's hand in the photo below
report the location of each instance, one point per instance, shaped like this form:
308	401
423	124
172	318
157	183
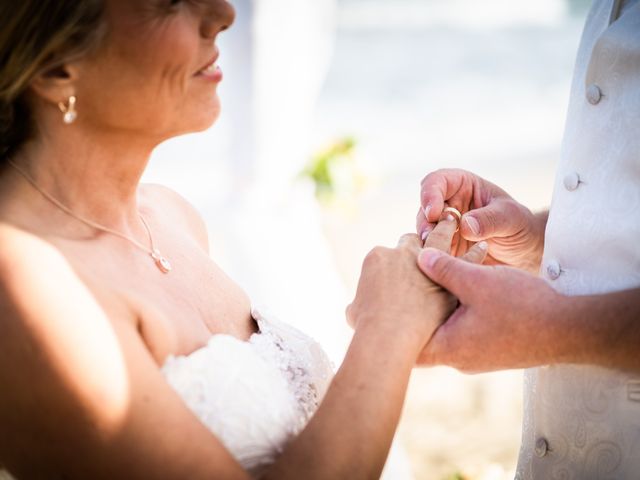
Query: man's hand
515	235
505	319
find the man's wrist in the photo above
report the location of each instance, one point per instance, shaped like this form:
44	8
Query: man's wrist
575	341
539	227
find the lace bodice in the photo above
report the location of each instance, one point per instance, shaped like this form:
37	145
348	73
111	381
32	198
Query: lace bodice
256	395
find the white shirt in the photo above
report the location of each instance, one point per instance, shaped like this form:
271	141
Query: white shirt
583	422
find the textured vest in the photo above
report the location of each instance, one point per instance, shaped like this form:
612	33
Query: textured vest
583	422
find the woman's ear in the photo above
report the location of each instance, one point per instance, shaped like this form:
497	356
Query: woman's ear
56	84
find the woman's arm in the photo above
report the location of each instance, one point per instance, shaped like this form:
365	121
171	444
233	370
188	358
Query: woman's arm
393	313
82	397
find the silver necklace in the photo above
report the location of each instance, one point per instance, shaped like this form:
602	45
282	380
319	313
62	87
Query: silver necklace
161	261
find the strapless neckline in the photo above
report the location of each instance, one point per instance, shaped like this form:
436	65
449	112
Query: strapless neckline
211	339
255	395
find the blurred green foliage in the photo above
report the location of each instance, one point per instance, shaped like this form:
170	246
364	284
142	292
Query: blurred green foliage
333	170
456	476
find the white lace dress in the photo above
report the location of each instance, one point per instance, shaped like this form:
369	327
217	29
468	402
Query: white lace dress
254	396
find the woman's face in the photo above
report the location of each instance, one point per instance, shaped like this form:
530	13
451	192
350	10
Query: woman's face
156	73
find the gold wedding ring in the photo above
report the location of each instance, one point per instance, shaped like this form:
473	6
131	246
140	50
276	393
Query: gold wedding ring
456	213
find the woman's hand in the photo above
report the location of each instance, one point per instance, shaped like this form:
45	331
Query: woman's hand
515	235
395	297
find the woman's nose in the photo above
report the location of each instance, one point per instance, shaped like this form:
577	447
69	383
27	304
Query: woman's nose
218	16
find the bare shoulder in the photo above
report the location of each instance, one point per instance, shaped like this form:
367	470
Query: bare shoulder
40	292
81	396
169	202
47	311
23	253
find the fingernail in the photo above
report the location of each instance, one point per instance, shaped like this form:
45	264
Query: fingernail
427	211
483	246
473	224
426	232
450	218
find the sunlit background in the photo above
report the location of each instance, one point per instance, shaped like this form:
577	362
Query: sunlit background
333	113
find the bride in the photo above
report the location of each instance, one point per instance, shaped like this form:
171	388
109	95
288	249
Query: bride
125	352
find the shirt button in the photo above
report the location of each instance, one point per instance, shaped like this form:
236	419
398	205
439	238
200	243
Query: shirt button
553	270
542	447
594	94
571	181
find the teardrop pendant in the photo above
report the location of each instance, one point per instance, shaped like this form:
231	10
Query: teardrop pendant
70	117
161	262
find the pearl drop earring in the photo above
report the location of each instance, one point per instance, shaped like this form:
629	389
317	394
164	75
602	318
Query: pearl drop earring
69	110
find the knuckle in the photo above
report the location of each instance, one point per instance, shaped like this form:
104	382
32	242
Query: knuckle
408	240
349	315
491	218
372	256
435	175
375	256
428	177
512	210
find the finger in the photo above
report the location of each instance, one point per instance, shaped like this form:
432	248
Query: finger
349	316
421	221
442	235
500	218
453	274
423	228
410	241
439	187
477	253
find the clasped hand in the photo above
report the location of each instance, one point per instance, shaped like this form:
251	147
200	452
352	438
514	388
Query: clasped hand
505	317
460	313
394	296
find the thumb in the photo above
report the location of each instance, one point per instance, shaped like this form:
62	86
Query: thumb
453	274
501	218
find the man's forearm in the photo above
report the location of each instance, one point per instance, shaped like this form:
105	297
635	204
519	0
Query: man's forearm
601	330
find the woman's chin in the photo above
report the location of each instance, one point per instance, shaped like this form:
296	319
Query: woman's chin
207	117
199	123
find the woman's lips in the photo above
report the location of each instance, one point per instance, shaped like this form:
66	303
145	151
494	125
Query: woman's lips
211	72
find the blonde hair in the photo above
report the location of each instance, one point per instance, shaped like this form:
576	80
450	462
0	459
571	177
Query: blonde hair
36	36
